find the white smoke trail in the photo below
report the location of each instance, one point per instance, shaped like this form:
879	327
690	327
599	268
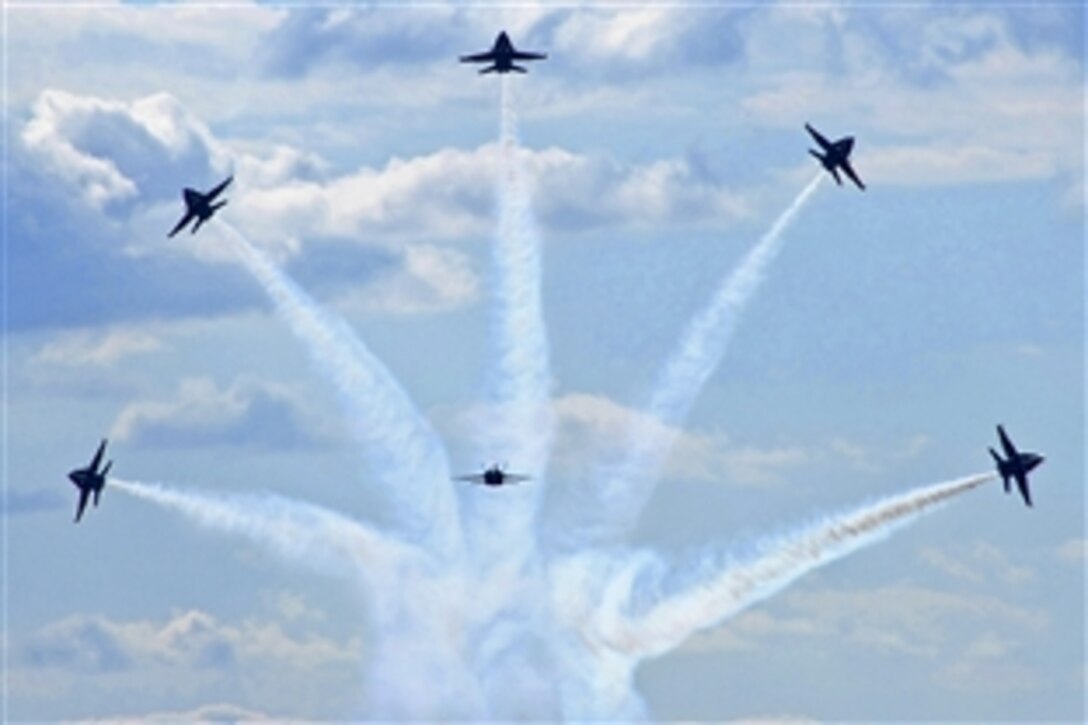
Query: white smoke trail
655	615
510	653
625	487
417	668
297	532
522	375
402	448
520	426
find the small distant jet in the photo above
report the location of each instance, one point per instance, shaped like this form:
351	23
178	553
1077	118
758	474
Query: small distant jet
1016	465
199	206
835	156
90	480
493	476
502	56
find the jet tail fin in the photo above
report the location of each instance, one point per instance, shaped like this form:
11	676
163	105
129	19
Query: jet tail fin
1000	468
106	470
517	68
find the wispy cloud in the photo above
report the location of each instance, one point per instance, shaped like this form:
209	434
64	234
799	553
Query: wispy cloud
101	349
248	413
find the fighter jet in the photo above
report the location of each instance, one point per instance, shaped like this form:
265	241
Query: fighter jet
835	156
90	480
199	206
502	56
1016	465
493	476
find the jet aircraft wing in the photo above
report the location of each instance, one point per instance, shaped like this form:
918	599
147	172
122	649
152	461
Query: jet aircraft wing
210	196
1022	484
824	143
513	477
98	456
522	55
852	174
471	478
181	225
84	495
479	57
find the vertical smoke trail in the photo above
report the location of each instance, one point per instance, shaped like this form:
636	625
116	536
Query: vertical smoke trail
398	442
509	650
521	378
657	615
625	487
519	430
297	532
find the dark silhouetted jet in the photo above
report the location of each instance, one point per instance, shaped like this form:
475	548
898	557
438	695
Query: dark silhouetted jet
493	476
200	207
1016	465
502	56
90	480
835	156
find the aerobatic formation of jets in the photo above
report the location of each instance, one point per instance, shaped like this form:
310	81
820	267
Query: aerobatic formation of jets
833	156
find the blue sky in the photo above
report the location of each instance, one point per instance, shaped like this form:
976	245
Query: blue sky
895	329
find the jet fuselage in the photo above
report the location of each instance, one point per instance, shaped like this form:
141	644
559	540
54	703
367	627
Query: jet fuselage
90	481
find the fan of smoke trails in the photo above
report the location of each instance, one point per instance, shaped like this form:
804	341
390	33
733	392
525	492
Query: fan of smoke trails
623	489
403	450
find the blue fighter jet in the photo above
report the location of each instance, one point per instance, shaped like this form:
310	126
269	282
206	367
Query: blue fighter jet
493	476
502	56
199	206
90	480
1016	465
835	156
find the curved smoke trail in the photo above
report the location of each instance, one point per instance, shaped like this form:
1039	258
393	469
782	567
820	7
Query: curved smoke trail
415	651
626	486
655	615
297	532
400	445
